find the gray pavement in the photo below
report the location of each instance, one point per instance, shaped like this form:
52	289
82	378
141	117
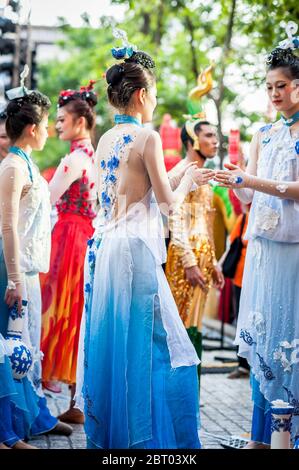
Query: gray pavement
225	410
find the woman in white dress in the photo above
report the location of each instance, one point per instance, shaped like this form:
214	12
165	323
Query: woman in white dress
137	379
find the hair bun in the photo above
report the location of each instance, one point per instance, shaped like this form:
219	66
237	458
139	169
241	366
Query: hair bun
13	107
143	59
281	57
115	74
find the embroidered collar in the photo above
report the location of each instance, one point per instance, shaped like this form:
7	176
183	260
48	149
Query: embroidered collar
20	153
126	119
291	120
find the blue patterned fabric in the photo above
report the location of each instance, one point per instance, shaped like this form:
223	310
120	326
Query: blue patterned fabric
133	398
261	416
268	323
269	308
21	406
273	217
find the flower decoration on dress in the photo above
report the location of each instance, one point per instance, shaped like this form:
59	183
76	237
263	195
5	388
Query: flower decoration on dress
109	169
297	147
129	52
257	322
78	198
266	218
247	338
268	374
266	128
281	354
85	93
293	401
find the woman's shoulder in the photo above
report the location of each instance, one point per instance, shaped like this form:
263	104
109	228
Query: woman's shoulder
14	162
270	128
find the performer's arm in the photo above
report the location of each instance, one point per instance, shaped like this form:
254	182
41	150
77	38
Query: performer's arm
12	182
69	170
245	195
250	182
154	163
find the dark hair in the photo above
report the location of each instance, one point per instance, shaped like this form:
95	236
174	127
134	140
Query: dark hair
3	116
79	108
185	137
80	103
130	75
286	59
30	109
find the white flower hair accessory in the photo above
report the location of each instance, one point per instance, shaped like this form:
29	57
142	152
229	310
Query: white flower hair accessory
292	42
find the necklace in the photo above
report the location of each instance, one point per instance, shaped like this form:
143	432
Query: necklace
291	120
18	151
126	119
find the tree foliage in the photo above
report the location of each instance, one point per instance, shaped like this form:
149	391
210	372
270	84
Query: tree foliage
183	36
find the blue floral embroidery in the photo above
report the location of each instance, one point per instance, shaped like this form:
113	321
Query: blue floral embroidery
90	242
20	359
293	401
109	178
113	163
91	257
112	178
127	139
268	374
87	288
266	128
266	140
246	336
105	199
297	147
281	424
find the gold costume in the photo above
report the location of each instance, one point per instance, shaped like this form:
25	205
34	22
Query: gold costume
191	245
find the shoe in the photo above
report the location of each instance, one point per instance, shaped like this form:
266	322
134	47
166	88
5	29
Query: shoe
72	415
238	374
22	445
61	428
52	386
256	445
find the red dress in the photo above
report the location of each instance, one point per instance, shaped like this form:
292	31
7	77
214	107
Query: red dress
62	287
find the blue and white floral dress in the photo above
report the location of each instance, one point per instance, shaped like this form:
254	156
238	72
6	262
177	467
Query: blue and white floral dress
136	376
268	324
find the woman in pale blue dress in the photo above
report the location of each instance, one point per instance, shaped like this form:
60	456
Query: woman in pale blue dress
268	324
24	252
136	379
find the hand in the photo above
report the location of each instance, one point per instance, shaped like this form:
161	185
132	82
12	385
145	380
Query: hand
14	295
218	278
200	176
195	277
234	178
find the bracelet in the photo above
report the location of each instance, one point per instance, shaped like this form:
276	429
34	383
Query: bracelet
11	285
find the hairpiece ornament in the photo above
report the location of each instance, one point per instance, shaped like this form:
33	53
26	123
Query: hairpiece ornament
129	52
204	83
196	113
292	42
127	49
190	128
20	91
85	93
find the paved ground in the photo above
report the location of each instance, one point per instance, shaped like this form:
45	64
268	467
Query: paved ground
225	410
